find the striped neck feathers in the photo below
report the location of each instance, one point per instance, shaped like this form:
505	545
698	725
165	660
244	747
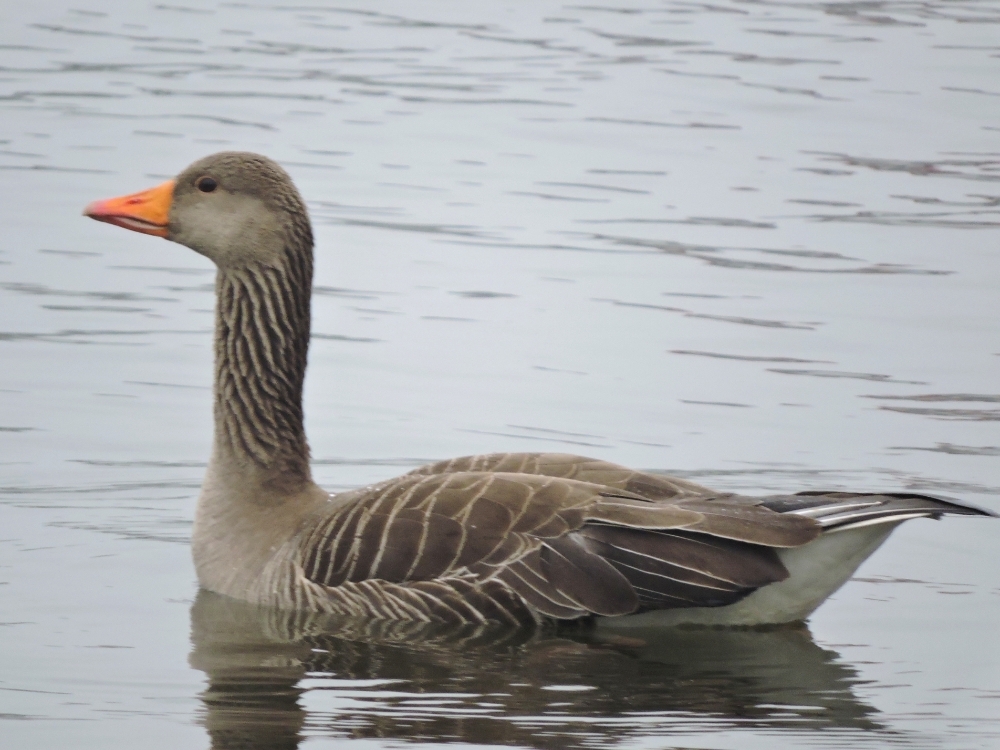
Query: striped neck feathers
261	344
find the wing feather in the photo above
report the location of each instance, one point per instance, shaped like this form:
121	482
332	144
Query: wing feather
399	546
750	523
567	466
440	540
586	578
642	514
538	591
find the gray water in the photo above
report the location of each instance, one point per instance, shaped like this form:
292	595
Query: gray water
752	243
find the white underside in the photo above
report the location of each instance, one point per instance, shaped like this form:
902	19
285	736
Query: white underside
815	570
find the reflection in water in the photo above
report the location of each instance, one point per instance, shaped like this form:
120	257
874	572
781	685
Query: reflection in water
275	677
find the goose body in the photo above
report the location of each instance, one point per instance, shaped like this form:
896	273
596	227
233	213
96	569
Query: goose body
508	537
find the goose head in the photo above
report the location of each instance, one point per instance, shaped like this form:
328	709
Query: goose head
242	211
236	208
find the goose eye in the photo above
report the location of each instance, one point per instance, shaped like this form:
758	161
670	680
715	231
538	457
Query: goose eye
206	184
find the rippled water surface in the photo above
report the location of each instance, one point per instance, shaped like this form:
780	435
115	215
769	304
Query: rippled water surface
753	243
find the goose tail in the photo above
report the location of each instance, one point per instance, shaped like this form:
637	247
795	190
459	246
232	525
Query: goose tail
840	511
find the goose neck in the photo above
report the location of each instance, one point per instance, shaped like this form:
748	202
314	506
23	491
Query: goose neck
261	346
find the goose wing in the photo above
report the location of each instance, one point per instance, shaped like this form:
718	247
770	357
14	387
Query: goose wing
831	509
480	545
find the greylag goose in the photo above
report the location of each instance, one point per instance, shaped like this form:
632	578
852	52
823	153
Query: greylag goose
507	537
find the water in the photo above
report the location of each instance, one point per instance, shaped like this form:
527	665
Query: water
754	243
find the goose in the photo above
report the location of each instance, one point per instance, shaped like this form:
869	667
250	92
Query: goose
515	538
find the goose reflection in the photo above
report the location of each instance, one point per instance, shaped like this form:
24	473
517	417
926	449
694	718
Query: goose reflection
275	677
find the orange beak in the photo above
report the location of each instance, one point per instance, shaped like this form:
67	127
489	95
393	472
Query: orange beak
147	212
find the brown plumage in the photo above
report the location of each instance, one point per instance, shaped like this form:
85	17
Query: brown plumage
509	537
564	548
